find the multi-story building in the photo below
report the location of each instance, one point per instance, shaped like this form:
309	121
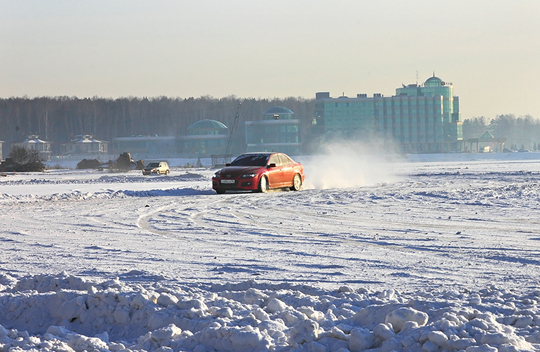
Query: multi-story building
277	131
419	118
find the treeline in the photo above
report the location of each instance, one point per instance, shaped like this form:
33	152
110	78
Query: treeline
60	119
520	132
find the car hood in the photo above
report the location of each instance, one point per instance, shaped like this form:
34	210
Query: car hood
235	170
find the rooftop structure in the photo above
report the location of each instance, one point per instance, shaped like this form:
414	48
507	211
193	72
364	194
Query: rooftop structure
207	127
278	113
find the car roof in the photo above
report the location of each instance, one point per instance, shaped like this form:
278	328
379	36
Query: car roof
260	153
267	153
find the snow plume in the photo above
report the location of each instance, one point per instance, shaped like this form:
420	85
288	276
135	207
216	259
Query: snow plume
350	164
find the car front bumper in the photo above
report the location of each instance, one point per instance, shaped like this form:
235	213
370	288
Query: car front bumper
240	184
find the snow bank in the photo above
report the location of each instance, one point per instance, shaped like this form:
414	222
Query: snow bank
107	194
83	185
70	313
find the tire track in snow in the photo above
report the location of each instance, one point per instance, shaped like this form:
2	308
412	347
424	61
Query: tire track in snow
380	235
144	220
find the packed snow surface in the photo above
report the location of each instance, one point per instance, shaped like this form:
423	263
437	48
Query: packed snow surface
421	256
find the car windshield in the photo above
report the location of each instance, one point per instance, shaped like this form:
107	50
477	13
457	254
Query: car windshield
152	165
251	160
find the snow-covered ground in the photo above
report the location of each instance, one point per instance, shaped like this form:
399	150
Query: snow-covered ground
371	255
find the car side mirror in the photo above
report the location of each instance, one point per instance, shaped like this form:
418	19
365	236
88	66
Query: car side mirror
271	165
228	164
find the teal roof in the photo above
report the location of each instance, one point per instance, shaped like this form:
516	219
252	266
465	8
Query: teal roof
433	82
277	110
207	125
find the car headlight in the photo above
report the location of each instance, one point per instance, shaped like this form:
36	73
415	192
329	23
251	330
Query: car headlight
249	175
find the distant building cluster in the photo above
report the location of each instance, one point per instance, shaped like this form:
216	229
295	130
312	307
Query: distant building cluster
419	118
82	145
276	130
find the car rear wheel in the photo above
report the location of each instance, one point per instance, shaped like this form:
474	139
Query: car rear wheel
166	172
263	185
296	183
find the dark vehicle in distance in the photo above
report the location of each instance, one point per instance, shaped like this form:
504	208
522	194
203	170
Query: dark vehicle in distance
259	172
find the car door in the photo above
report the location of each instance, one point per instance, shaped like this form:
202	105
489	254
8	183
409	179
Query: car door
275	177
287	170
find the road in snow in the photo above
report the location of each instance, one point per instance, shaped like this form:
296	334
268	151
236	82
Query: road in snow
405	256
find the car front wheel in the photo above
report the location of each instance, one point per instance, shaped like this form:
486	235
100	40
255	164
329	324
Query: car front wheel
263	185
296	183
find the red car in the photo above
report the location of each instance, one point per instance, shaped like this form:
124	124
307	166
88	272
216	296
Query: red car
259	172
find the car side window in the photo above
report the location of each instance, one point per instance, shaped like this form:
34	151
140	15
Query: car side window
274	159
284	160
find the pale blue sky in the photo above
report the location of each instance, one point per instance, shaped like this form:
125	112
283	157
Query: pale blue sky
490	50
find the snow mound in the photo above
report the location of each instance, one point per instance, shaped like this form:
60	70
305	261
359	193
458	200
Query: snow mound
93	178
70	313
76	195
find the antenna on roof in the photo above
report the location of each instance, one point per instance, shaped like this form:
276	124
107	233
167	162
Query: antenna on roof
416	77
